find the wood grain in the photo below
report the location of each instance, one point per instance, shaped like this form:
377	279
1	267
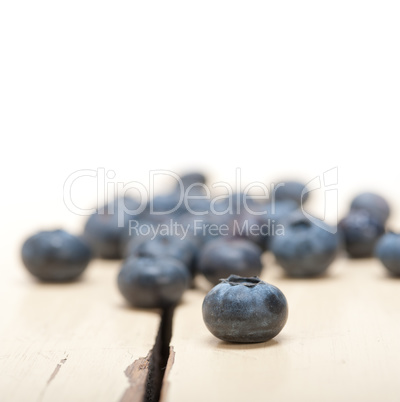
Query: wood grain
75	341
137	376
70	342
341	343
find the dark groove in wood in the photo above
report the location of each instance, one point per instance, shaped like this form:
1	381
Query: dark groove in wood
159	357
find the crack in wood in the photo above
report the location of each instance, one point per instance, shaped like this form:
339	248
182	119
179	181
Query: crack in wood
51	378
148	376
56	370
165	384
160	357
137	376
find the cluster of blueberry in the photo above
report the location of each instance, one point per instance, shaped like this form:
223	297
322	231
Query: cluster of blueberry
364	232
169	242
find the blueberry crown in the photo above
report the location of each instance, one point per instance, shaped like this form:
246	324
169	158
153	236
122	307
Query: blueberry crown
235	280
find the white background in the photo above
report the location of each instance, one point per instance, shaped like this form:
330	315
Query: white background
279	89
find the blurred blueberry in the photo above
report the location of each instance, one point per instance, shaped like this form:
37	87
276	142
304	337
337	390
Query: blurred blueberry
273	220
170	203
172	246
250	227
196	201
201	229
291	190
305	249
280	209
375	204
191	178
261	222
360	232
106	228
388	251
149	282
55	256
225	256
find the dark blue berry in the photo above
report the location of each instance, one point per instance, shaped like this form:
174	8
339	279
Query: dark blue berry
375	204
388	251
196	201
166	204
272	218
247	225
201	229
360	232
245	310
305	249
167	246
191	178
149	282
105	229
291	190
225	256
279	210
55	256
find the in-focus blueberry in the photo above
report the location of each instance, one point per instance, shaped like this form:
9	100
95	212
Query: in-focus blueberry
149	282
225	256
55	256
305	249
245	310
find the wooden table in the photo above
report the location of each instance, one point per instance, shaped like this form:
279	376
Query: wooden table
75	342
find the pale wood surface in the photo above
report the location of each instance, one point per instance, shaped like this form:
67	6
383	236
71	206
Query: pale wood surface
341	343
70	342
74	342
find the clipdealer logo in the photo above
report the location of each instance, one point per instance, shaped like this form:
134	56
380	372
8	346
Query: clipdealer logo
108	189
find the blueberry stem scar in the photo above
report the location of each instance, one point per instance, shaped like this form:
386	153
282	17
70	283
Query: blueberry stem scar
235	280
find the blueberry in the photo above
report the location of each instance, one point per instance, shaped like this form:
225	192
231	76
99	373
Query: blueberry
149	282
55	256
248	226
375	204
305	249
196	201
225	256
166	204
388	251
271	221
360	232
105	229
176	203
192	178
241	217
279	210
242	200
245	310
235	203
200	228
291	190
167	246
